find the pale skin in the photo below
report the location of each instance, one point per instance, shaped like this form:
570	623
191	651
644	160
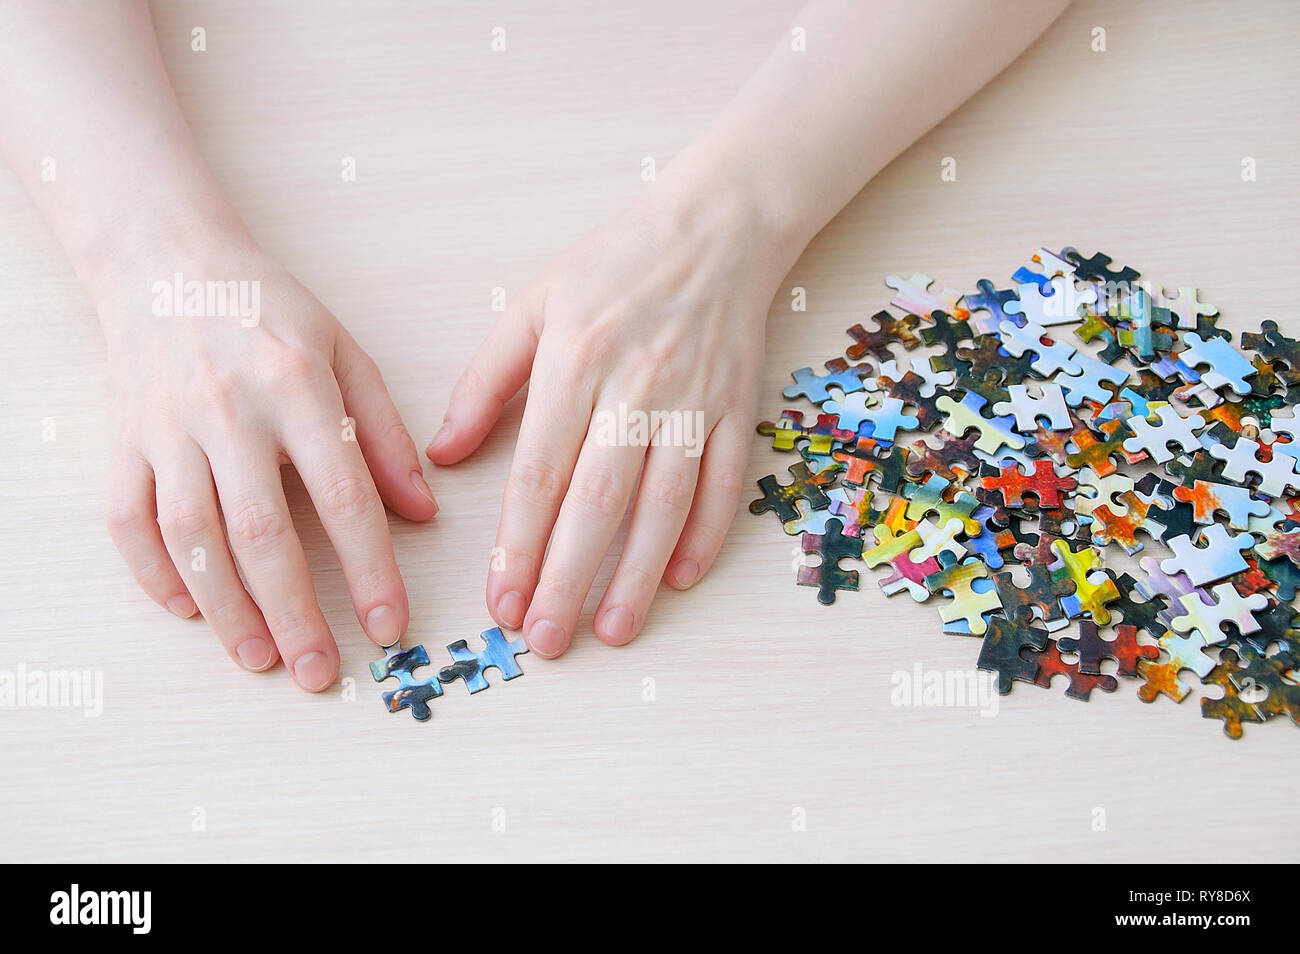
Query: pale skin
662	308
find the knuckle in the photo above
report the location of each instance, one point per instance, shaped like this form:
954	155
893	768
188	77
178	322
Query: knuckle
292	369
256	525
638	578
537	479
598	489
670	491
728	481
563	589
346	496
124	518
184	520
154	574
516	564
397	439
376	582
294	624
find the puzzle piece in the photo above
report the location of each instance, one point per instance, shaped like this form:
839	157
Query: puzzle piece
1277	472
1083	567
411	693
1161	679
497	653
1187	651
828	576
809	520
1172	428
1207	619
1186	306
1122	528
1281	542
885	419
1092	648
913	295
1141	614
1050	663
888	330
1000	651
1228	366
1282	352
1043	593
1230	709
1056	304
1207	497
805	485
1219	557
841	377
1276	674
991	301
1052	356
968	604
1043	483
1090	451
821	437
1098	266
852	411
1027	410
856	509
965	415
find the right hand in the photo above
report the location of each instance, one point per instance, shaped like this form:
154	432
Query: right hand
205	412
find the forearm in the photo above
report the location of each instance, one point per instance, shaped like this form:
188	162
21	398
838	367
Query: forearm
813	126
84	88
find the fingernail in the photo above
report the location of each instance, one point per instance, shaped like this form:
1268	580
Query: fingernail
511	609
420	484
440	438
618	624
686	572
182	606
255	653
546	638
383	626
313	672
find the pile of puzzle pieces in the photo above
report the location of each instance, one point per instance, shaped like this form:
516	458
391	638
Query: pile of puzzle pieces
1052	423
498	653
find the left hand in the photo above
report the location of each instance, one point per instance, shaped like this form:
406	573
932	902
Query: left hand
660	310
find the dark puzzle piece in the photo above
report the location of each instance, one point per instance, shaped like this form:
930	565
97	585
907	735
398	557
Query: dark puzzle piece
1041	593
1050	663
1271	674
828	576
888	329
1230	709
1000	651
949	333
497	653
1098	266
805	485
1282	352
1141	614
1093	648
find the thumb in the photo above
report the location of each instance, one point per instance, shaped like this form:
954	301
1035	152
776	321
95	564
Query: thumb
494	375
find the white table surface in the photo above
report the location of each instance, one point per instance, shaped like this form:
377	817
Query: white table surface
473	168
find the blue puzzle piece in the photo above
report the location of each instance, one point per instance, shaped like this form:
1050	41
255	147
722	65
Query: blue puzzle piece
498	653
817	387
412	693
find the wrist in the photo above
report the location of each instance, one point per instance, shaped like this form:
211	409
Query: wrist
736	192
119	256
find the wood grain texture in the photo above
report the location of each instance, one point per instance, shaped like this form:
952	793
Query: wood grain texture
475	167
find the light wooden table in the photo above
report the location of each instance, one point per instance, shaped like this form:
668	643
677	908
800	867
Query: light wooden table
473	167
